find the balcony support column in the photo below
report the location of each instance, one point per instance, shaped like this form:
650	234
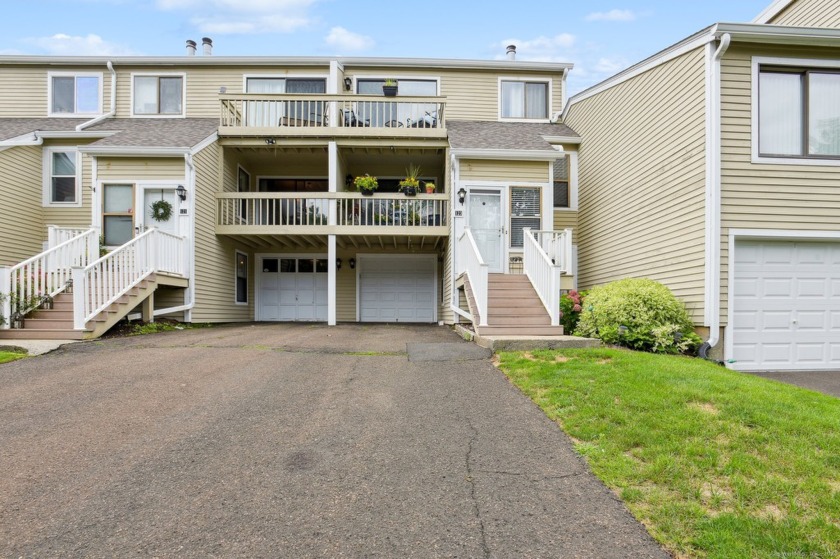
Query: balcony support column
332	169
332	276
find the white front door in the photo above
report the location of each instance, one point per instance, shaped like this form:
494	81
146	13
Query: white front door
485	221
292	289
786	301
152	195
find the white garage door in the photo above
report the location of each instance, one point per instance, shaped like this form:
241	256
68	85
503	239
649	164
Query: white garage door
292	289
397	289
786	305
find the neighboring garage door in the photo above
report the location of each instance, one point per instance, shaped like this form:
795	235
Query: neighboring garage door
786	312
292	289
397	289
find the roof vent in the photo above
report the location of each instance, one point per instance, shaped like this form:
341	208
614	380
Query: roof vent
511	52
207	43
190	47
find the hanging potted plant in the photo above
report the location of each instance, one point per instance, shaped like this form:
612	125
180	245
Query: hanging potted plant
389	88
366	184
430	187
161	210
410	183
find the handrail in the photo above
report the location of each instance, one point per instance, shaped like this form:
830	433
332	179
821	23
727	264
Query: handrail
25	285
102	282
544	275
477	271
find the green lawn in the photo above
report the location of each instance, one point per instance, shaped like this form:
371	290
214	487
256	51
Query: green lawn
715	463
6	356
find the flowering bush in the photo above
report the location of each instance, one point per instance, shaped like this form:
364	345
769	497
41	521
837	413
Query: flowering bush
570	308
640	314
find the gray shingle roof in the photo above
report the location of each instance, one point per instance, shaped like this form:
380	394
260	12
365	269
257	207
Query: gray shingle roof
128	132
480	134
155	132
14	127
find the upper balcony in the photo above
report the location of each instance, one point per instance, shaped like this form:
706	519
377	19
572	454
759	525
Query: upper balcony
259	114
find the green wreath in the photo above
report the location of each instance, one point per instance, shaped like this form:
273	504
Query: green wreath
161	210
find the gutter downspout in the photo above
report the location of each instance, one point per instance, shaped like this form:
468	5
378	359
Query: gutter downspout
714	200
190	303
113	110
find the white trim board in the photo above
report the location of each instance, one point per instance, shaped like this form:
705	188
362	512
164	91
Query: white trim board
771	11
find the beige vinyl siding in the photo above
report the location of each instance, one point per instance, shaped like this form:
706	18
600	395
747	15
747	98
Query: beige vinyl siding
214	274
135	169
565	219
810	13
762	196
642	180
166	298
23	89
22	230
504	171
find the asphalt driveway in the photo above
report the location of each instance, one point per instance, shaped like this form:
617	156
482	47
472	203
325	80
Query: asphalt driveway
827	382
291	441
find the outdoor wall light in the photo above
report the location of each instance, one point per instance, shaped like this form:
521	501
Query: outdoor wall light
181	192
348	83
270	141
348	180
337	264
352	263
462	195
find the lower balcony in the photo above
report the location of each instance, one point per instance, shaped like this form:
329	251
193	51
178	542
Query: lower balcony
380	220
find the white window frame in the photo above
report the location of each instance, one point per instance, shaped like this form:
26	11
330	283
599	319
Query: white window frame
573	183
47	201
525	79
236	254
373	77
246	77
51	75
799	63
182	75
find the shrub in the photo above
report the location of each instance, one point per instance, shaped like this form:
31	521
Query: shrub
570	308
653	318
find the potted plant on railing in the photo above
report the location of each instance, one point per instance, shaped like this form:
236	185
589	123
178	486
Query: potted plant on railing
410	183
430	187
389	88
366	184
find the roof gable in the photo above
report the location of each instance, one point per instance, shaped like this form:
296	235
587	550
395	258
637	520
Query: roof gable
772	11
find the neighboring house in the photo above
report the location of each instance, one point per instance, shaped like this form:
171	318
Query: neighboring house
713	168
256	157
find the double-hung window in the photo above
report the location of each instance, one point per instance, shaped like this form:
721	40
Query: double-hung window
75	94
798	112
159	95
522	99
525	212
61	177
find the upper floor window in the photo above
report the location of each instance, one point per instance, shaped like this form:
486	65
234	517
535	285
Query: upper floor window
410	88
161	95
523	99
61	177
562	192
798	112
75	94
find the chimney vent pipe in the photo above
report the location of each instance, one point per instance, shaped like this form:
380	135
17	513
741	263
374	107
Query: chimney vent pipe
190	47
207	43
511	52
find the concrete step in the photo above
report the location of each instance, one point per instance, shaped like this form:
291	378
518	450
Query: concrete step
520	330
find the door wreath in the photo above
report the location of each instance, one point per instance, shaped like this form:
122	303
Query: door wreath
161	210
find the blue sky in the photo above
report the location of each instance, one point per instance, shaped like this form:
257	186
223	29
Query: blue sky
599	37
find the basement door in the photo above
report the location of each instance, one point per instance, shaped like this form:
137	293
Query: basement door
397	288
292	289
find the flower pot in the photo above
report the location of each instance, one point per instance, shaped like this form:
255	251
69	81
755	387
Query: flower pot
410	191
367	192
389	90
430	190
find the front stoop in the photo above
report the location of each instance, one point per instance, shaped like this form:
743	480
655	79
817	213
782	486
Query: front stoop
525	343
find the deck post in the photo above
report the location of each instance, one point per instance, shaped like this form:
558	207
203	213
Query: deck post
332	276
5	303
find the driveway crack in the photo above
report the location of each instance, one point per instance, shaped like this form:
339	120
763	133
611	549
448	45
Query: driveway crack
471	481
527	474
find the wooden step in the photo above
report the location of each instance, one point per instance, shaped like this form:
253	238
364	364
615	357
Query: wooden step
53	334
526	309
520	330
53	313
47	324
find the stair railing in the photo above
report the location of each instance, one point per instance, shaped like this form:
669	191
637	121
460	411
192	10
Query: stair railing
477	271
547	255
102	282
24	286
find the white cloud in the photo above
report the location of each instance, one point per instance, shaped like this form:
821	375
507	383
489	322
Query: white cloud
245	16
540	49
345	40
76	45
612	15
610	66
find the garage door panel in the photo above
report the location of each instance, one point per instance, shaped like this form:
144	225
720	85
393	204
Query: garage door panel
397	289
786	312
288	294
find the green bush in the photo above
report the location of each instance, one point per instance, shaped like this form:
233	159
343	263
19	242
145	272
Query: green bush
653	318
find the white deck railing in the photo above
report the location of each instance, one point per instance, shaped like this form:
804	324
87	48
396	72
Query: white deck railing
57	234
477	271
343	209
546	256
262	110
102	282
24	285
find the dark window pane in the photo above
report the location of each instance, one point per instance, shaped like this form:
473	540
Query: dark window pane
517	225
118	229
306	266
64	189
287	265
64	92
321	266
561	194
270	265
241	290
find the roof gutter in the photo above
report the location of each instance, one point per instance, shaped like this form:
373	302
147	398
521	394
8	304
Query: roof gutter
713	202
32	139
133	151
113	110
509	154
